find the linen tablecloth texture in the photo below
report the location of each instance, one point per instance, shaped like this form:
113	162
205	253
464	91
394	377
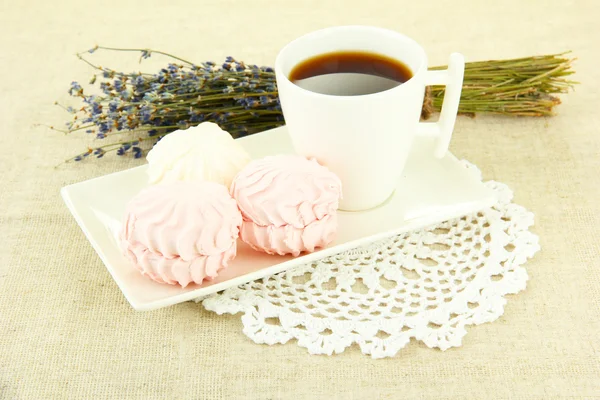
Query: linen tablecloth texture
68	332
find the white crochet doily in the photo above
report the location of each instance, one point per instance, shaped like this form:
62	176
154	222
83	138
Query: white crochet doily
428	285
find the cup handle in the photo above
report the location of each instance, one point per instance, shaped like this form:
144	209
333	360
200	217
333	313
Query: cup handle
452	78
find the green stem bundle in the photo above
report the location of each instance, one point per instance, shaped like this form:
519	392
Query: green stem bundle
521	86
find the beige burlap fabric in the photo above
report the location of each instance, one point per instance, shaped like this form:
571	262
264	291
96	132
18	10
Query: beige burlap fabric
67	332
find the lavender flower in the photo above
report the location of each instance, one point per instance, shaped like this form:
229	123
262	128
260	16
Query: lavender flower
76	89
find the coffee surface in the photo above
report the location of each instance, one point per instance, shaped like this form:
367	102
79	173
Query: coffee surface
350	73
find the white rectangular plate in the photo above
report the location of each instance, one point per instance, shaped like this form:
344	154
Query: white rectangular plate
430	191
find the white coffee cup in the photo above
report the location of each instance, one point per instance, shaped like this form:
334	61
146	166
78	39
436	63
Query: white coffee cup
365	139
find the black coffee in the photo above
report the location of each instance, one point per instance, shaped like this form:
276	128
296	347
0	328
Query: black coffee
350	73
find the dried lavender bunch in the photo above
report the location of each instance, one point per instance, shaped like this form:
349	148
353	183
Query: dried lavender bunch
242	98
